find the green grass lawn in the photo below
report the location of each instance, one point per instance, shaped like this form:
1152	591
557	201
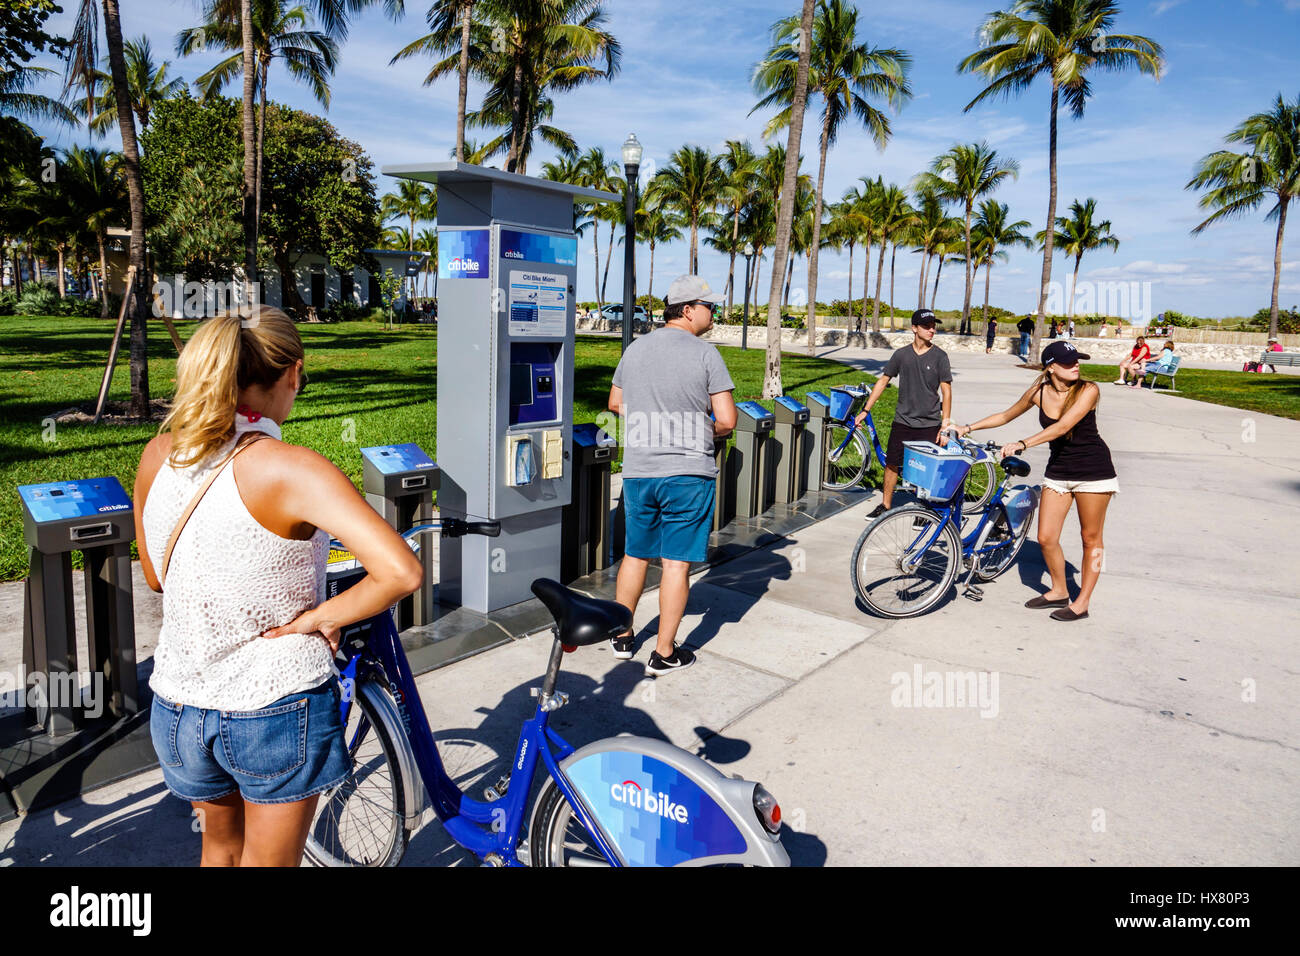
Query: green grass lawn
367	387
1273	394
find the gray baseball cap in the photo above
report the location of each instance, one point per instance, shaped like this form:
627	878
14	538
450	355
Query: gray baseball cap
692	289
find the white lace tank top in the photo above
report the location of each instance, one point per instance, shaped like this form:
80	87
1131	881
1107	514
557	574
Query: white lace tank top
229	580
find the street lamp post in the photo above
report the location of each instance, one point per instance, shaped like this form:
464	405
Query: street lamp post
744	328
631	169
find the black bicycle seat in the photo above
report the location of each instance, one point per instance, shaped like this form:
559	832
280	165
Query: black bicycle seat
1017	467
582	620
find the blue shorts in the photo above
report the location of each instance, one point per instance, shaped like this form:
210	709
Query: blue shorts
668	517
287	751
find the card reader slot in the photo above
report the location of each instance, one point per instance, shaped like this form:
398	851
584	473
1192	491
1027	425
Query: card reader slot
89	532
415	481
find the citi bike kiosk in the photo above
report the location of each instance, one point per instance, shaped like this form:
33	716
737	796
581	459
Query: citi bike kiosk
507	268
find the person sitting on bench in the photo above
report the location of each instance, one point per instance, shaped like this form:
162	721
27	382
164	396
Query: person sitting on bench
1160	366
1135	361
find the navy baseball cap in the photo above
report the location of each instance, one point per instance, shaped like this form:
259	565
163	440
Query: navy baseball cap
924	317
1063	353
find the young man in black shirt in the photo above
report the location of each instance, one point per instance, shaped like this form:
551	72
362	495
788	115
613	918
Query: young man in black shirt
924	398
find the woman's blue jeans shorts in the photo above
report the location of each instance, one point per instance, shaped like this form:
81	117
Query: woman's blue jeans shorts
287	751
668	518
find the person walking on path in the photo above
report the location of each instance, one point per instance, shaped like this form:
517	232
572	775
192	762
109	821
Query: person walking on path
665	387
989	335
1079	469
1026	328
924	399
236	526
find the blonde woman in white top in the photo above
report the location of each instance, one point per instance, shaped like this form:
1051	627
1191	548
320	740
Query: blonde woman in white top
245	713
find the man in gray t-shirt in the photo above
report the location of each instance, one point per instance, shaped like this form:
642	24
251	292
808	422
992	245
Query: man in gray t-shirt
924	399
674	393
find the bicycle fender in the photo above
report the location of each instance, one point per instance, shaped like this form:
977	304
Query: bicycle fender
1020	503
415	797
659	805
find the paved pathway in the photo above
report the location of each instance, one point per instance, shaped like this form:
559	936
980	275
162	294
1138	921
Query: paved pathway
1161	731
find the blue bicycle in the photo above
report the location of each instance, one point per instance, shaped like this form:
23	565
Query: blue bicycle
907	559
622	801
848	459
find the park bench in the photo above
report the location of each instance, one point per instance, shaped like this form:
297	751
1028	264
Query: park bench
1155	370
1279	358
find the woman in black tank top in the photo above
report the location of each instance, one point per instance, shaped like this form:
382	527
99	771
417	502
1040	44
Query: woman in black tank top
1079	470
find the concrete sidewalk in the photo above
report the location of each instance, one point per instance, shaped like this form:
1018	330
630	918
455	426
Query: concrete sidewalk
1160	731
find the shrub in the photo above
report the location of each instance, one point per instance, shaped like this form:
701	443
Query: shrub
81	308
1179	321
8	302
38	298
1288	320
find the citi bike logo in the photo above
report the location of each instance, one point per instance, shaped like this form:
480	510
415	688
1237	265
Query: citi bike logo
460	264
629	792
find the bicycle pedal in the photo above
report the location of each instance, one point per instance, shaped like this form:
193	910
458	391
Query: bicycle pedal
973	592
498	789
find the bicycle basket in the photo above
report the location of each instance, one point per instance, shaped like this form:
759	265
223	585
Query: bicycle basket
936	473
845	401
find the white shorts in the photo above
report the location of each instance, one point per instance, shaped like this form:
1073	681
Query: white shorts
1106	485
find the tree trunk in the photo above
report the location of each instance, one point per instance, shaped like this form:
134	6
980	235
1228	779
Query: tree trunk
609	254
789	275
988	268
63	286
866	275
650	286
731	269
464	82
1277	265
935	294
104	311
516	118
920	288
880	275
848	308
290	300
18	271
250	146
261	140
811	323
1074	286
970	277
695	247
1050	234
893	255
595	251
135	189
785	212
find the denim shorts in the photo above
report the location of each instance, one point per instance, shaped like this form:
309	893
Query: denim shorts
668	517
287	751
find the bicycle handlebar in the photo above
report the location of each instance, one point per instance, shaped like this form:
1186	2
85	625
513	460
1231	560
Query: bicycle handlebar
447	527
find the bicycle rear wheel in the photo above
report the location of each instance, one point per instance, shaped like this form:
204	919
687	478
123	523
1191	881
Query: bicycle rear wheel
556	837
849	467
894	572
362	821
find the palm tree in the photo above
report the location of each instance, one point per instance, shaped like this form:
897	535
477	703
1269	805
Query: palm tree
524	50
893	215
427	241
1238	182
692	182
1062	40
450	23
597	171
81	65
17	100
843	71
991	234
279	31
739	164
1079	234
148	86
962	175
415	200
661	224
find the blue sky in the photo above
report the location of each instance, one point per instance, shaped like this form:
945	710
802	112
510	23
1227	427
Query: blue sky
685	78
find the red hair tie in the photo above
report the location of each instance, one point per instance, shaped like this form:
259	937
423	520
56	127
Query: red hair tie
248	413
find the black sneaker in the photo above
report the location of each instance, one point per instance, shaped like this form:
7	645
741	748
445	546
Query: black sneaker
622	647
681	659
879	510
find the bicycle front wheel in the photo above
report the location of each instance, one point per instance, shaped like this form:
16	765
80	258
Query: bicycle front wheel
848	467
362	822
905	561
556	837
981	481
